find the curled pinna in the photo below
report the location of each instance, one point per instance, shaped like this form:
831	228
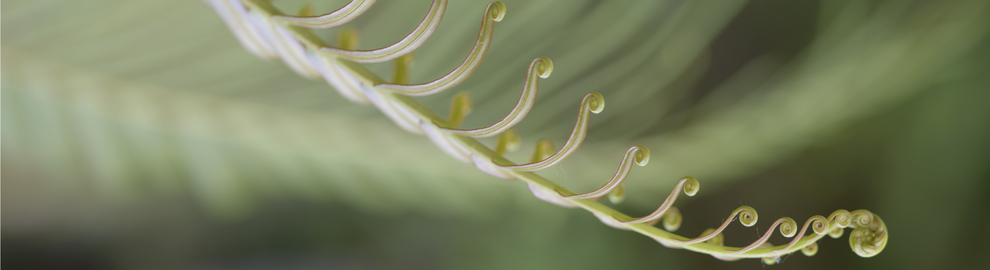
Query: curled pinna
690	187
747	216
540	67
406	45
869	236
639	155
493	13
592	103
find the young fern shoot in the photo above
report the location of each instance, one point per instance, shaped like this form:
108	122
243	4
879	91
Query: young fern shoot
268	33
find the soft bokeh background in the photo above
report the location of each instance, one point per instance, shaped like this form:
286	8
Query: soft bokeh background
140	135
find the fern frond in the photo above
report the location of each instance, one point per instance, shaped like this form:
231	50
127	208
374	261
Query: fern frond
869	235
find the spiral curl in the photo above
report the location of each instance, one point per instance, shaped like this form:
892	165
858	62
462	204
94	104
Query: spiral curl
841	217
539	67
592	103
493	13
788	228
747	216
861	218
870	235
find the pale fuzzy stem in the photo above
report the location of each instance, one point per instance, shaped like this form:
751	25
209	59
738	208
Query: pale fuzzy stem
336	18
870	234
540	67
400	115
444	143
286	45
252	28
296	52
334	76
493	13
411	42
592	103
237	25
639	155
329	68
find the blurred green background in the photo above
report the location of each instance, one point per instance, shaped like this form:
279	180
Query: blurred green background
140	135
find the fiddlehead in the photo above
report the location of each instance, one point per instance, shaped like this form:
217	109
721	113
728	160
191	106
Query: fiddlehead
281	40
870	234
268	33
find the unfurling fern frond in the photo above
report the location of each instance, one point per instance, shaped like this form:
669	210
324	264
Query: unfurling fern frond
269	33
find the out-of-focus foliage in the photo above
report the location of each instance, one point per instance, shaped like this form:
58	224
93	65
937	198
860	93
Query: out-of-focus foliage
123	122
